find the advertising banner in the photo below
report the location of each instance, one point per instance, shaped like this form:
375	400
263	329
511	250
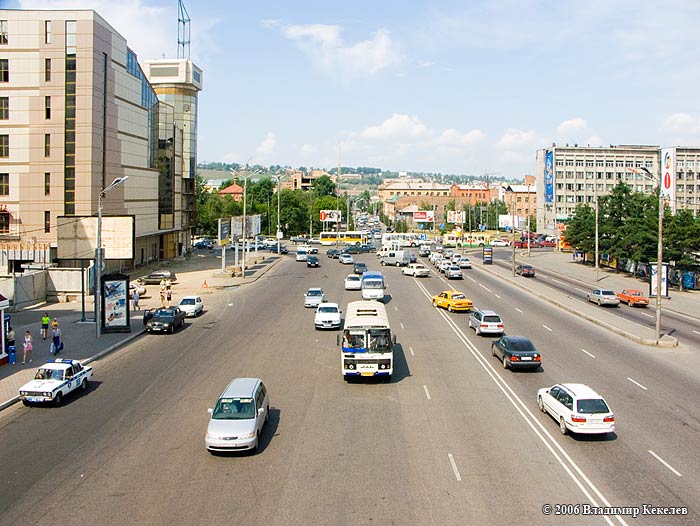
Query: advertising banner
653	280
668	177
424	216
549	177
253	226
115	303
224	231
456	217
506	221
487	255
331	216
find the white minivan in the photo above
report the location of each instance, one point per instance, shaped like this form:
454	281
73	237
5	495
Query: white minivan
238	416
373	286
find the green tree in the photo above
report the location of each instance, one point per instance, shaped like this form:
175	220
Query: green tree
324	186
580	231
682	239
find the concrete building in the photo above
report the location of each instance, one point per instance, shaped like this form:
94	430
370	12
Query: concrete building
570	175
520	198
76	112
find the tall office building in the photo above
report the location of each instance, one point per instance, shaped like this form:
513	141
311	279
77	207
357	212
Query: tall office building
76	112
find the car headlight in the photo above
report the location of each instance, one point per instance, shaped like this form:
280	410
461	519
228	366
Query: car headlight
166	325
248	435
47	394
23	393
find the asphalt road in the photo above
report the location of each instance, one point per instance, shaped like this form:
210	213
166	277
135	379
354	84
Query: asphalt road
453	439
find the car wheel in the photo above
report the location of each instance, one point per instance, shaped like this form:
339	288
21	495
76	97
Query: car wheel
562	426
84	385
449	308
398	264
434	303
477	331
172	329
540	404
26	403
505	362
493	351
59	399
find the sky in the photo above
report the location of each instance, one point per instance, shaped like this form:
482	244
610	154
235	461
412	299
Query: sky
461	87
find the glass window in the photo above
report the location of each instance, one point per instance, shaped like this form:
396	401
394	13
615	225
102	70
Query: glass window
47	69
4	223
4	184
71	31
47	221
47	107
234	409
4	108
4	146
47	183
47	31
47	145
4	70
3	31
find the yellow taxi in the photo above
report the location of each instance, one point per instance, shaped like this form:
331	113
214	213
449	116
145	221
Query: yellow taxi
452	300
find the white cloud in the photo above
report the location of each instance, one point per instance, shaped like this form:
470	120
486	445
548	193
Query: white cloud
680	122
323	43
266	146
398	126
309	149
572	126
514	139
425	63
232	157
452	137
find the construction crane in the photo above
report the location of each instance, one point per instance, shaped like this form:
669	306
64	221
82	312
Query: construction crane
183	31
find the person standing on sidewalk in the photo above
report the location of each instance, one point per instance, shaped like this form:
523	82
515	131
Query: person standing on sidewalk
45	320
10	339
168	296
56	343
27	346
135	299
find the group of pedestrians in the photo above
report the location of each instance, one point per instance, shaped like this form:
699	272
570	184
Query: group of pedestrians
49	328
166	292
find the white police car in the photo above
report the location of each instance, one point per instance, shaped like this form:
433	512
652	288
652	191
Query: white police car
54	380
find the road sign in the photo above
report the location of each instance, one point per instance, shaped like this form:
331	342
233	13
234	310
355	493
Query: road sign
423	237
442	225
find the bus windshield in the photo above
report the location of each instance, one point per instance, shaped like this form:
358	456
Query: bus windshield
354	339
380	340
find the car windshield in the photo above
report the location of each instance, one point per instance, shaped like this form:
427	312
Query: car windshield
314	293
521	346
234	409
454	269
459	296
592	406
187	301
607	293
372	284
353	278
165	312
49	374
634	293
334	310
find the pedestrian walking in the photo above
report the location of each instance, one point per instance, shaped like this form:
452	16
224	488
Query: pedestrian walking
54	324
56	341
9	339
27	347
45	320
162	298
168	296
135	299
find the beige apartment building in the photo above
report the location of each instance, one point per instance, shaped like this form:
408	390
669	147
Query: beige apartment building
77	111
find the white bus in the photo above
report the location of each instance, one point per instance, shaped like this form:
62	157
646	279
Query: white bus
367	343
350	237
397	241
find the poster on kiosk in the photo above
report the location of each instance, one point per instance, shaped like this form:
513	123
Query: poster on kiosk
115	303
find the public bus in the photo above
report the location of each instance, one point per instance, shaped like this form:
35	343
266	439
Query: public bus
398	240
471	239
367	344
350	237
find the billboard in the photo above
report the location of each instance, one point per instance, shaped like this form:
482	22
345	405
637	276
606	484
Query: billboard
549	177
224	231
653	284
331	216
668	177
457	217
424	216
253	225
506	221
77	237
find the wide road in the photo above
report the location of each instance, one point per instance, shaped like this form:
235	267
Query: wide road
453	439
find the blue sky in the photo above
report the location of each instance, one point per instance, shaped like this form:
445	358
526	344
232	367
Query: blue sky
443	86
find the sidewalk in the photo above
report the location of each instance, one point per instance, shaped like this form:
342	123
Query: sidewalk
80	338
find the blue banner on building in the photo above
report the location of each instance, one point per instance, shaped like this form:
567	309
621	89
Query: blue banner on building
549	177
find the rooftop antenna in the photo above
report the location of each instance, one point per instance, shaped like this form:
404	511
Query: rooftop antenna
183	31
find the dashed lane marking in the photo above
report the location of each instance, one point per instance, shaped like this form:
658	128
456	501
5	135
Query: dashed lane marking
657	457
427	393
589	354
637	383
454	467
550	330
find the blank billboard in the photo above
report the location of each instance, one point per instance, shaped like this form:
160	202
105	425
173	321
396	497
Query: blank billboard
77	237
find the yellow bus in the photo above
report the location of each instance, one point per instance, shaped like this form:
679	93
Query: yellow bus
350	237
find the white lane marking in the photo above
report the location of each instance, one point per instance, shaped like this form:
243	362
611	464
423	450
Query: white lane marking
231	305
550	330
485	288
581	290
637	383
427	394
402	326
454	467
647	315
497	296
589	354
471	279
696	332
516	308
545	277
411	350
657	457
557	281
396	308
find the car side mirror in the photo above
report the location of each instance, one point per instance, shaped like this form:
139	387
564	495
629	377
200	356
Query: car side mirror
261	410
210	411
337	339
393	339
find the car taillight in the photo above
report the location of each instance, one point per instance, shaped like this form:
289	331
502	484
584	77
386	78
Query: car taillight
578	419
500	325
483	325
514	358
610	418
538	358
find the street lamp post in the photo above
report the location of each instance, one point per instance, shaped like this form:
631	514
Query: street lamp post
512	226
99	255
597	252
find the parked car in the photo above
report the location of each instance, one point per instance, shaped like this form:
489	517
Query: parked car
417	270
577	408
351	249
238	417
603	297
516	352
452	300
360	267
313	297
203	245
54	380
327	316
367	248
633	298
486	322
353	282
156	276
332	253
135	285
453	272
165	319
525	270
191	305
312	261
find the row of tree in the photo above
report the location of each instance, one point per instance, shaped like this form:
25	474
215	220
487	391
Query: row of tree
628	229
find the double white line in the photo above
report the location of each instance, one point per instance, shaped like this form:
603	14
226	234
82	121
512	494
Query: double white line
562	457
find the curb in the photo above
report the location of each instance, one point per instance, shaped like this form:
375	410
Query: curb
666	341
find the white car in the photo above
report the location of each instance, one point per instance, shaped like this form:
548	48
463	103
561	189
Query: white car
54	380
327	316
135	285
417	270
353	282
191	305
499	243
486	322
453	272
314	297
345	259
577	408
465	262
444	265
302	255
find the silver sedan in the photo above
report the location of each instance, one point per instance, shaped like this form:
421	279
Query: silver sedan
603	297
